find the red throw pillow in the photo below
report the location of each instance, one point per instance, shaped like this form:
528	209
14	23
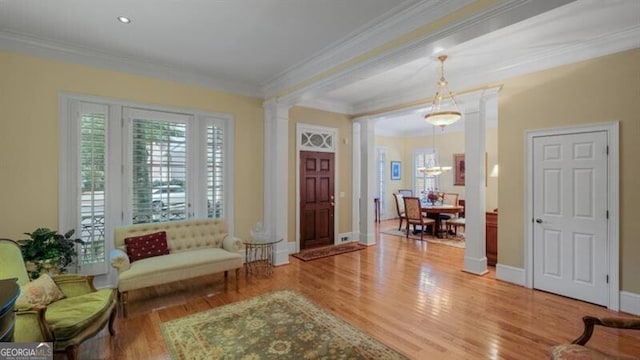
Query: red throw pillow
146	246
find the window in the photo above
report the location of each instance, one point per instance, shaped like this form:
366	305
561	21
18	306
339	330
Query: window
422	183
122	164
381	159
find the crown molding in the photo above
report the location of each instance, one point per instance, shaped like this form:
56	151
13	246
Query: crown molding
44	48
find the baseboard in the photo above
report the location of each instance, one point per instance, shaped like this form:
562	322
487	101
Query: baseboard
346	237
292	248
281	257
510	274
630	302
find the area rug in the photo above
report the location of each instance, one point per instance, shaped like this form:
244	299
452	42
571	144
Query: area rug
456	241
322	252
277	325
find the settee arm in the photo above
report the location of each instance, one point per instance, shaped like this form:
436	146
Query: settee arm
232	244
119	260
31	326
74	284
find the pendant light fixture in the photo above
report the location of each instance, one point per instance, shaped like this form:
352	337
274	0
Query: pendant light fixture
434	168
444	108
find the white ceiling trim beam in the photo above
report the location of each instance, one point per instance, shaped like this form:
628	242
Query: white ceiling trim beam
568	54
404	19
35	46
503	14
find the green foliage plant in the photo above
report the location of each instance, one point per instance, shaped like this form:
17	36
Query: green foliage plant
48	251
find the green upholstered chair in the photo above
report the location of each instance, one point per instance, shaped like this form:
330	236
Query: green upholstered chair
577	348
82	313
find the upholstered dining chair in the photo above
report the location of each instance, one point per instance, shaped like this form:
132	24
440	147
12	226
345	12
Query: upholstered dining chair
413	211
449	199
399	199
405	192
80	314
577	348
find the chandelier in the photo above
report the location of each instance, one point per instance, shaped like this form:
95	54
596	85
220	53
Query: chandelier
444	108
434	168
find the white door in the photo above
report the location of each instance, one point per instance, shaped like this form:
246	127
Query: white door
570	215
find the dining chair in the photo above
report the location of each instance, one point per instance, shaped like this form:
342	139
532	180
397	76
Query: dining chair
449	199
400	208
405	192
413	211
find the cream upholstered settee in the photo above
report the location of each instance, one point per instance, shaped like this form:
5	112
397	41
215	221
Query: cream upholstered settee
193	248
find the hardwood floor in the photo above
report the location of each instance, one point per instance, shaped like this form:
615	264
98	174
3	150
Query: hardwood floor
409	294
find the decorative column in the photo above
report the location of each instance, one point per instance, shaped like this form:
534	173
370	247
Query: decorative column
475	260
367	181
276	175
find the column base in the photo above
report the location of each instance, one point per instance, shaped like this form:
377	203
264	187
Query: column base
476	266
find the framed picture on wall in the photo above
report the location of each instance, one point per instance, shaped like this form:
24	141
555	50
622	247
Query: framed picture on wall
459	169
395	170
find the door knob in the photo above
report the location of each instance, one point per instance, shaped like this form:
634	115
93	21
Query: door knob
333	204
539	221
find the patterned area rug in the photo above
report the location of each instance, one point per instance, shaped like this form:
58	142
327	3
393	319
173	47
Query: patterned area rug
456	241
322	252
277	325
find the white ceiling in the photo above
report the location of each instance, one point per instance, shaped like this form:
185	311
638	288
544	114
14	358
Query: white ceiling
264	47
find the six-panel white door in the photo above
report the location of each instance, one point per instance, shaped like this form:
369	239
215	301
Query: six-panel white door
570	215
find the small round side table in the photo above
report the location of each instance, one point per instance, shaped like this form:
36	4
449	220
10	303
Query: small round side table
258	256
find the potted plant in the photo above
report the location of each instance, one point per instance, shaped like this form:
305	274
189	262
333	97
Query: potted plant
48	251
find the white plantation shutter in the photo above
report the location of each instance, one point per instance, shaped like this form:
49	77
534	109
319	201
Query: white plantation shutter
215	171
92	121
158	166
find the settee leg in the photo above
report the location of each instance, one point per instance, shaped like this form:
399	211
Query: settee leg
124	298
226	280
238	279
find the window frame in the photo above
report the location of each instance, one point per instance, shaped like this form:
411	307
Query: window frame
117	181
431	151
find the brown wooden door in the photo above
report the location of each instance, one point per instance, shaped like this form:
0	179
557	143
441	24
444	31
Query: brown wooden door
317	199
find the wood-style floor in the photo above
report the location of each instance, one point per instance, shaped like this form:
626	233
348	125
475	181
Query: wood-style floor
409	294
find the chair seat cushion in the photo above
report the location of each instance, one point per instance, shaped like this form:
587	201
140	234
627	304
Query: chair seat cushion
579	352
69	316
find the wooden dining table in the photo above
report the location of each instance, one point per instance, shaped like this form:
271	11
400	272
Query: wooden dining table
436	210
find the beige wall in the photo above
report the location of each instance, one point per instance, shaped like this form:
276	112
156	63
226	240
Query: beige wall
596	91
29	89
448	144
301	115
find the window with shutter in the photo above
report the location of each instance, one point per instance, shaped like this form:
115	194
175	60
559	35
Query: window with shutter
381	155
92	124
215	171
158	166
422	158
121	164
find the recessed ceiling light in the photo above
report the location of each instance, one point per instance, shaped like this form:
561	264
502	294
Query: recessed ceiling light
124	19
